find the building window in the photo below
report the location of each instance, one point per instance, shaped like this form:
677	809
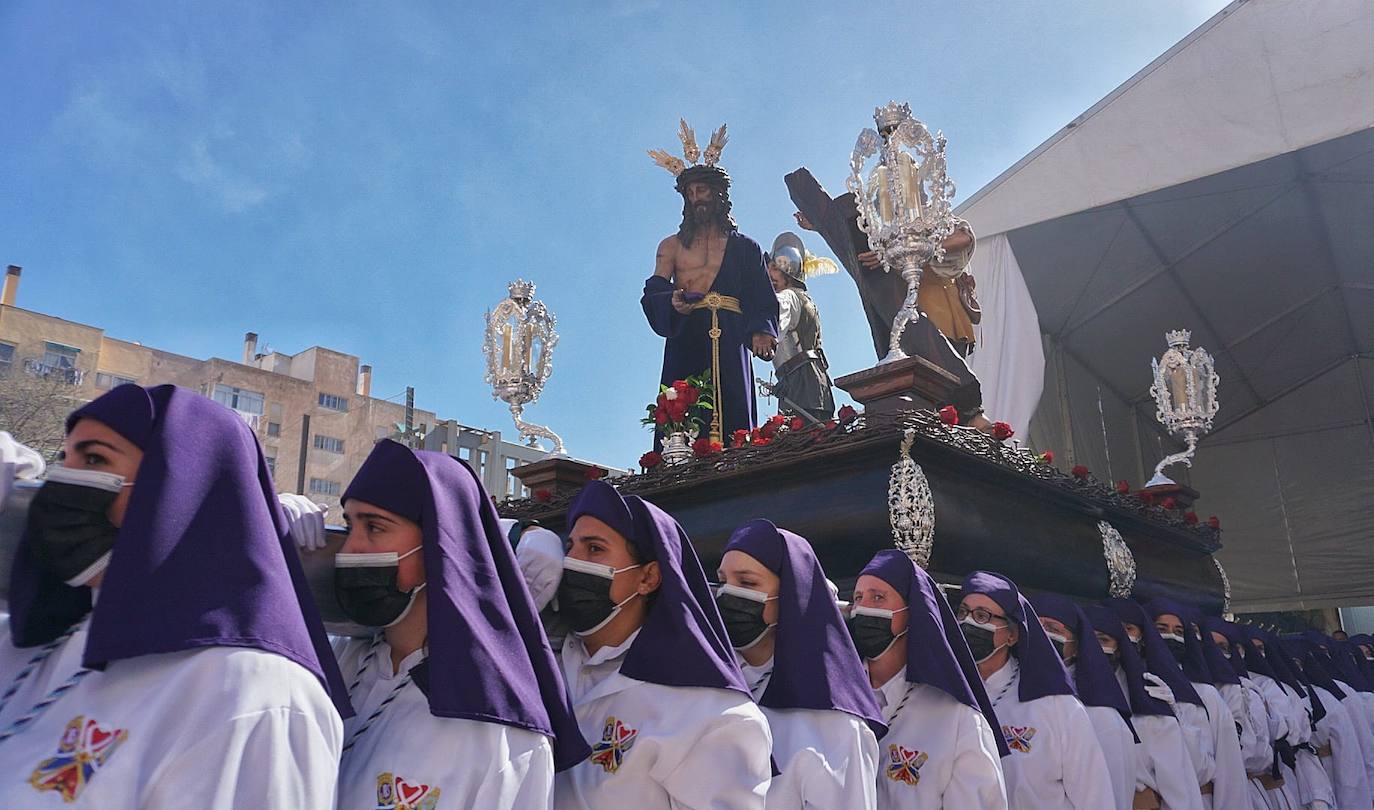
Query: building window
322	486
273	430
334	402
6	358
104	380
59	356
240	399
272	464
329	444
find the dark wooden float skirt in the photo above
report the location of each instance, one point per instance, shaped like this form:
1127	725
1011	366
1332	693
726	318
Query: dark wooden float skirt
996	508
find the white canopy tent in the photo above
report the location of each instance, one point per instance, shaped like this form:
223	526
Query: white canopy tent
1227	188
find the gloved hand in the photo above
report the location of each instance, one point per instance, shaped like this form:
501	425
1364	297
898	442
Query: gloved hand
305	520
539	553
1157	688
17	461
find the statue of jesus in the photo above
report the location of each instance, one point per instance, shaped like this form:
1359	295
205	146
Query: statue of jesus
710	295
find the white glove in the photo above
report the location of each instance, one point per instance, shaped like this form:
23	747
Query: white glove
539	553
305	520
17	461
1158	689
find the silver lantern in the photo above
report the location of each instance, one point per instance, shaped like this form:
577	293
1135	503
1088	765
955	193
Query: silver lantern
1185	391
519	345
903	201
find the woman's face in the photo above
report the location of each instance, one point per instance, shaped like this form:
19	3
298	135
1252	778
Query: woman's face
743	571
873	592
92	445
373	530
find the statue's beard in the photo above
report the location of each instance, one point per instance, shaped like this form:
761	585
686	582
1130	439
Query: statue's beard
704	214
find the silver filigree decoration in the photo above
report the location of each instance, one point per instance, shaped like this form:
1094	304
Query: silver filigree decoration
910	506
519	342
1185	392
1120	561
1225	590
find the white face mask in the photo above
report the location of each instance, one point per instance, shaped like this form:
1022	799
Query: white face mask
1172	637
1108	649
95	479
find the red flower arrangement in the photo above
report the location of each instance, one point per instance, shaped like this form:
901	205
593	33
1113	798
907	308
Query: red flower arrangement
1080	472
703	447
1214	522
1146	498
1170	503
739	438
848	414
543	495
681	407
1046	457
1123	487
1001	431
1190	518
949	415
797	423
650	460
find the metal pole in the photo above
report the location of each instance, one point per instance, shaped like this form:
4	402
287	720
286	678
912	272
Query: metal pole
410	417
305	447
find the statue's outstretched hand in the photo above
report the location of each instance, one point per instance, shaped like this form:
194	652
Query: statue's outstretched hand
870	260
764	345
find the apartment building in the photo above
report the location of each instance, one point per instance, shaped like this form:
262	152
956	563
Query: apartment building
312	411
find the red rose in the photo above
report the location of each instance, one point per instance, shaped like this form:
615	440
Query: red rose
739	438
831	425
848	414
680	386
689	396
777	419
1047	457
1190	518
1123	486
704	447
797	423
1170	503
1214	523
1080	472
768	430
677	410
593	473
543	495
762	441
949	415
662	400
660	416
1001	431
1146	498
650	460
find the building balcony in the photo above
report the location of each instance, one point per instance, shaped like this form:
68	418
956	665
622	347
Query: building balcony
67	374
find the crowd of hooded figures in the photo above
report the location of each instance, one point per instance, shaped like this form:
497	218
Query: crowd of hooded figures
165	651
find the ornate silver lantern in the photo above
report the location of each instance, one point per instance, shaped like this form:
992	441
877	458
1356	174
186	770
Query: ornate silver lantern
1185	391
903	201
910	506
519	345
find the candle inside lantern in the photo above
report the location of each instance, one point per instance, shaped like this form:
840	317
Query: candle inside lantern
911	185
880	178
505	347
529	344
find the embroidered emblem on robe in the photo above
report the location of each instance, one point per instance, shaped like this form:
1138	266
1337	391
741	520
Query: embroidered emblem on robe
616	741
83	750
1019	737
904	765
395	793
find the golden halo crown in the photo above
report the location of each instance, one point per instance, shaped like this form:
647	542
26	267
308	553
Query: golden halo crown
691	153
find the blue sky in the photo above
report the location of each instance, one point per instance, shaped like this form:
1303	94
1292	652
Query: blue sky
369	176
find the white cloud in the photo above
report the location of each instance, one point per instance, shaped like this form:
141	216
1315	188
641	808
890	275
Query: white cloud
200	168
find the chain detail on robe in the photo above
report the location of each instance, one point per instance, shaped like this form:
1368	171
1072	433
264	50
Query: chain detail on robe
715	302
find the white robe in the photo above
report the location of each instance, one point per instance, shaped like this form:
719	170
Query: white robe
1229	778
1279	706
1055	759
660	747
1118	748
1346	765
937	753
215	727
1252	726
1197	732
1165	766
1356	704
411	756
827	758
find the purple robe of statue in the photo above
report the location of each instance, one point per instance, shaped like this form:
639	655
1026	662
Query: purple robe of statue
687	350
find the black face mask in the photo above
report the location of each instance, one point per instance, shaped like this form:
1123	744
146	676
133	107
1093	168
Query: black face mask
742	615
979	640
1178	648
1114	656
871	631
1059	648
584	595
365	587
69	529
